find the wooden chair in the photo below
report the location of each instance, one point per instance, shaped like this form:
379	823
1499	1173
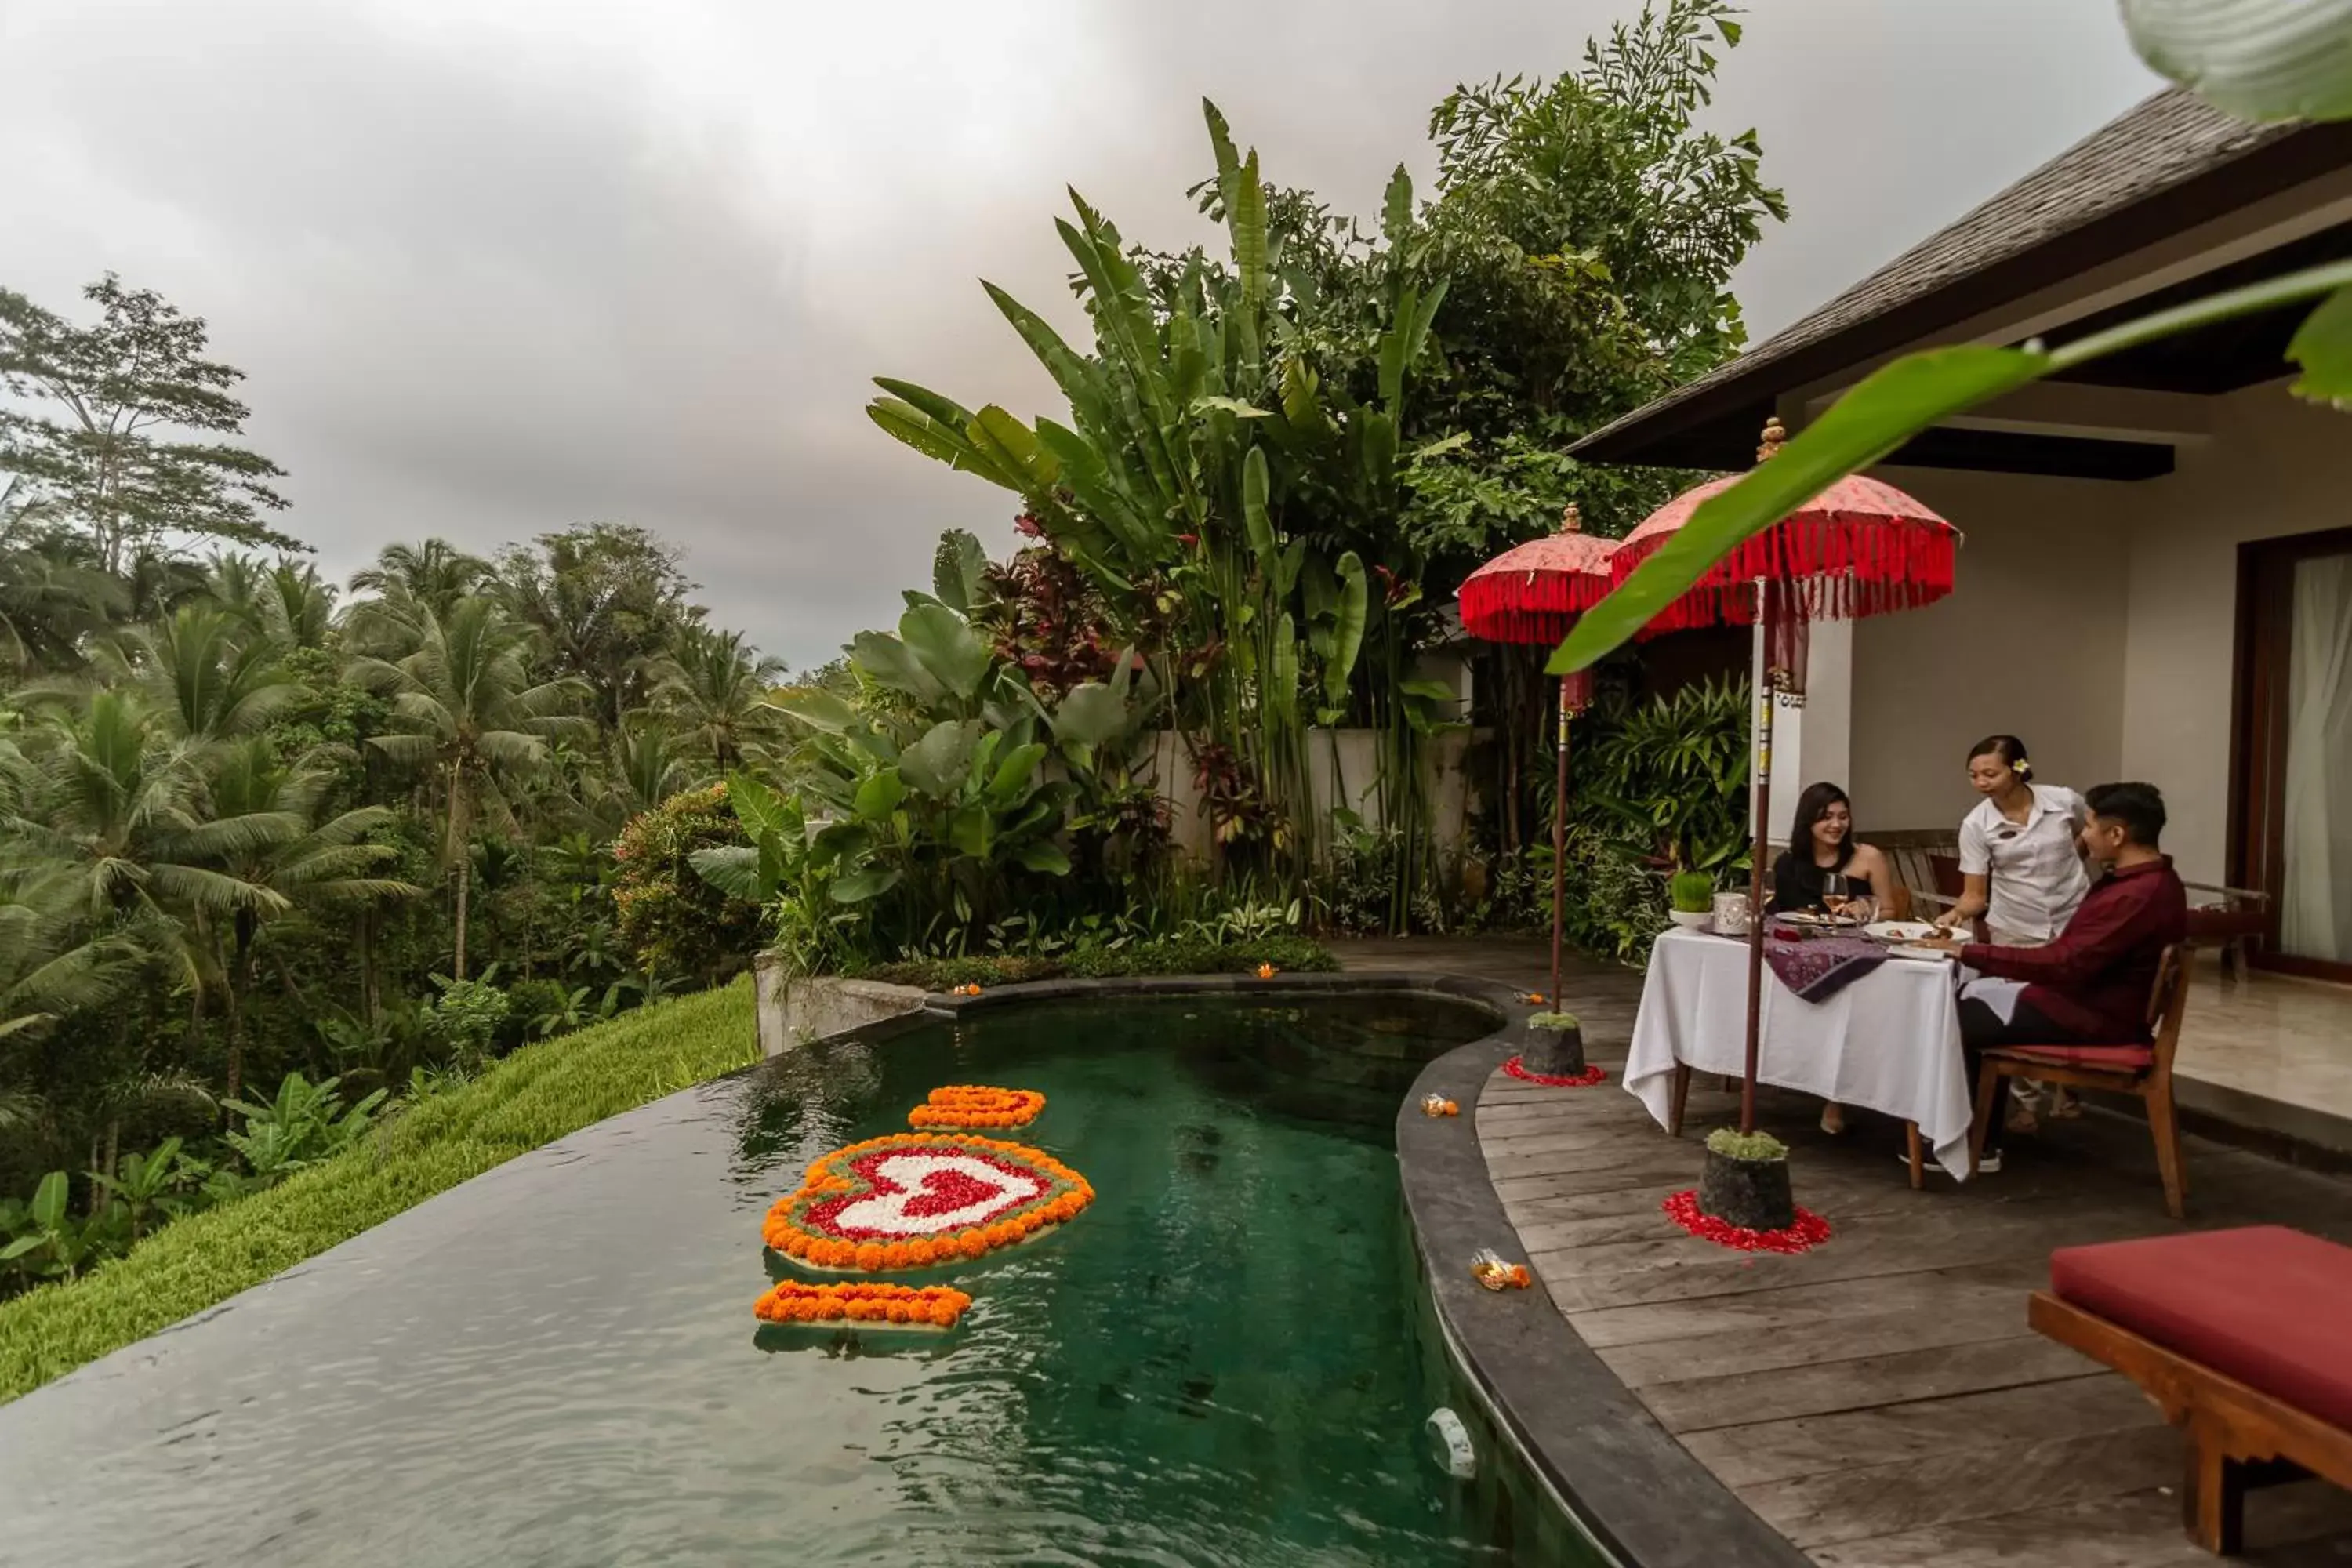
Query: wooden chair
2143	1071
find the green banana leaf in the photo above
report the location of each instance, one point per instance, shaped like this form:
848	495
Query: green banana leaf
943	643
879	795
938	762
864	886
888	661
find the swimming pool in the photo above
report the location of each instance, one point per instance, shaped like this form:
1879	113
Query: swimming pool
1226	1360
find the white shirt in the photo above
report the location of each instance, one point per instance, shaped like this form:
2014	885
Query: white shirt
2034	870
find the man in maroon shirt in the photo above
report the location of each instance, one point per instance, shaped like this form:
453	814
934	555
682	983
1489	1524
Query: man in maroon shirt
2090	985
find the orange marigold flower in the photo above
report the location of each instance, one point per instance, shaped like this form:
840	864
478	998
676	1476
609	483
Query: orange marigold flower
868	1255
831	1310
944	1315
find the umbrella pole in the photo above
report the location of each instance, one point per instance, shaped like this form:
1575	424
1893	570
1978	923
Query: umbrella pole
1766	592
1559	845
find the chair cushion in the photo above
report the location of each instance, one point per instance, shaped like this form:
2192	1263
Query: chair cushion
2264	1305
2113	1058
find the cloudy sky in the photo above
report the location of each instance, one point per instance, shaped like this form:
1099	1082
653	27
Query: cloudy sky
494	267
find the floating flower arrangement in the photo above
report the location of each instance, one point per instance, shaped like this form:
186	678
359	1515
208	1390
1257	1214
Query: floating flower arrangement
917	1199
874	1306
970	1105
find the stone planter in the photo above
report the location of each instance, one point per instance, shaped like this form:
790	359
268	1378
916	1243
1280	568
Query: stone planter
1551	1052
794	1009
1753	1195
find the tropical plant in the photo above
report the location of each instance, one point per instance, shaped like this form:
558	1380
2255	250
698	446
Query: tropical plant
466	1016
468	712
432	575
1207	466
152	1184
51	1245
714	690
265	833
306	1122
1670	776
680	905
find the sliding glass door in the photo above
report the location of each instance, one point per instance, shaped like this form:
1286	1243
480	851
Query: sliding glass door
2295	746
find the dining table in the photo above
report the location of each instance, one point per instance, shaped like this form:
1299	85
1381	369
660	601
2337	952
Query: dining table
1888	1041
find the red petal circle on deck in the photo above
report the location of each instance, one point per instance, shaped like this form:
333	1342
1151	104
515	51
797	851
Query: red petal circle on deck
1860	548
1593	1073
1810	1231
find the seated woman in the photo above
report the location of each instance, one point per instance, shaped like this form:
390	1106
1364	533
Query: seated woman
1821	844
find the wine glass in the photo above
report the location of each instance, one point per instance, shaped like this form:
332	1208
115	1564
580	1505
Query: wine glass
1833	891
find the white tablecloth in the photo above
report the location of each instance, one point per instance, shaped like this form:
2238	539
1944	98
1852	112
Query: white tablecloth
1890	1040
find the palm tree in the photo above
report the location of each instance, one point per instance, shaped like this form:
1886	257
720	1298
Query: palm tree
307	862
297	606
210	671
715	689
116	807
48	600
49	964
468	710
646	764
435	574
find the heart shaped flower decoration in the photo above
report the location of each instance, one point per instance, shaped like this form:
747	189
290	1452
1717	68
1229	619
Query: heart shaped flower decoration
916	1200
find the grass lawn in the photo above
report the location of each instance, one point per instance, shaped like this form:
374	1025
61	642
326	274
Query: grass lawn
533	1098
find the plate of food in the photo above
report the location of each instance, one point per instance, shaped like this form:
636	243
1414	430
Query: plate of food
1815	920
1900	931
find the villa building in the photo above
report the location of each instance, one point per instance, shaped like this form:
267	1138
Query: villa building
2156	581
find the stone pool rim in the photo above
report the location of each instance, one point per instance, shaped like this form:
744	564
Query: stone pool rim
1622	1479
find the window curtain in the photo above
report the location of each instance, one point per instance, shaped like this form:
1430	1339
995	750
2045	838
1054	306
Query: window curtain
2315	912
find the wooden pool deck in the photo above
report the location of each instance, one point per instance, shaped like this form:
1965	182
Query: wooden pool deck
1879	1402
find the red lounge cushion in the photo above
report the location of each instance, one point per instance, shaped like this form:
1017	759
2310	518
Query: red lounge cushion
2116	1058
2265	1305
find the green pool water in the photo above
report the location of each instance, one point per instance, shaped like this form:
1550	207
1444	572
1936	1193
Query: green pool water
1226	1360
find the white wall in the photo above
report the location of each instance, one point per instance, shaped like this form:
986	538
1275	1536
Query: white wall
2097	620
2030	643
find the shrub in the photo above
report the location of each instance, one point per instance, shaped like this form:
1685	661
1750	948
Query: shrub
674	921
528	1003
1736	1145
466	1017
1163	955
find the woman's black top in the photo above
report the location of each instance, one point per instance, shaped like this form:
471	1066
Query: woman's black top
1797	881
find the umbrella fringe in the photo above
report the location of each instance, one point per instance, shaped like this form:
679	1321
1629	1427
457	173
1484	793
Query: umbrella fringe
1837	567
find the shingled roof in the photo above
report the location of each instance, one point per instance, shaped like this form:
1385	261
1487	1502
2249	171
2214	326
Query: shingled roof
2169	164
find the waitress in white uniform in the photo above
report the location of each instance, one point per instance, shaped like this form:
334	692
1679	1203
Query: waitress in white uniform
2020	855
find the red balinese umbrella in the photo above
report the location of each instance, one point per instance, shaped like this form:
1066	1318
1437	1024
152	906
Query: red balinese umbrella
1860	548
1533	593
